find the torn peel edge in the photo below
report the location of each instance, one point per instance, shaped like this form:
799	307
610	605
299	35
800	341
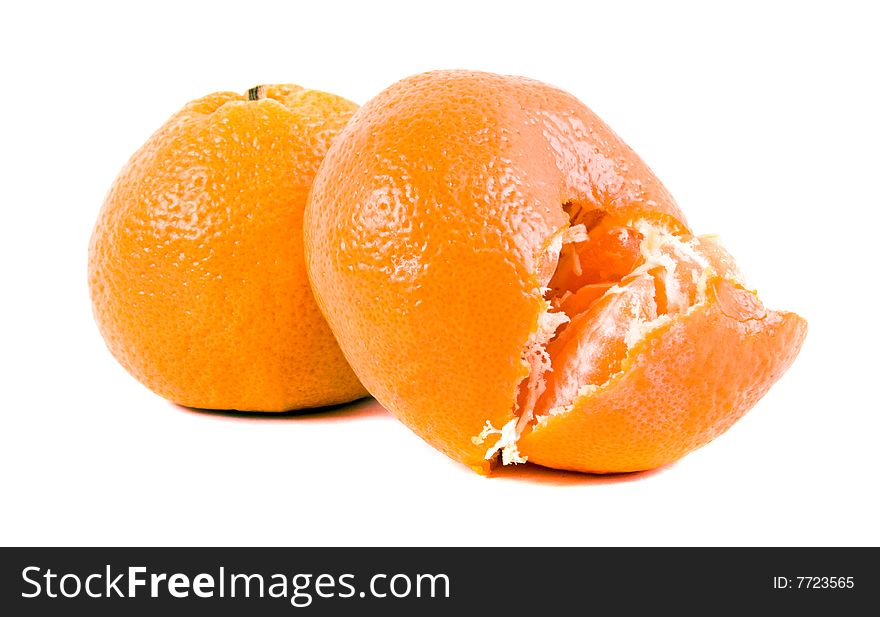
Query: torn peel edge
536	362
505	444
670	280
534	358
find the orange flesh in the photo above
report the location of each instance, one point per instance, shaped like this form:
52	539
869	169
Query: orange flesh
610	252
611	299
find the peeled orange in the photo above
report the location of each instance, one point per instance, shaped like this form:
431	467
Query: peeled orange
512	281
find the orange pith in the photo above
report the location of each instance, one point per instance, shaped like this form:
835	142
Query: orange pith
510	280
196	265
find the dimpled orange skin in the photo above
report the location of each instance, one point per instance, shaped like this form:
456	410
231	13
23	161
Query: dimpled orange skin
196	265
424	235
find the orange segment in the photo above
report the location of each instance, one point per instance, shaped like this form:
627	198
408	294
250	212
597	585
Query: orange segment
609	253
582	299
590	348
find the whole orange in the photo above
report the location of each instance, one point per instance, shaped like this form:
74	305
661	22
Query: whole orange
196	267
512	281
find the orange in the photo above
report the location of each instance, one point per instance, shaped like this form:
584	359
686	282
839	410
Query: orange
511	280
196	265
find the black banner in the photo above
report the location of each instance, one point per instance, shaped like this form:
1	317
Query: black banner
406	581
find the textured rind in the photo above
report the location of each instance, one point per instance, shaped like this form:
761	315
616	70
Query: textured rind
196	265
447	173
654	411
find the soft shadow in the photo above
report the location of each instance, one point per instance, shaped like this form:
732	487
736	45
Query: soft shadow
544	475
369	407
364	408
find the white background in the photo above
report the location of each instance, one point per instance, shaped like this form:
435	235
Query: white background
762	119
